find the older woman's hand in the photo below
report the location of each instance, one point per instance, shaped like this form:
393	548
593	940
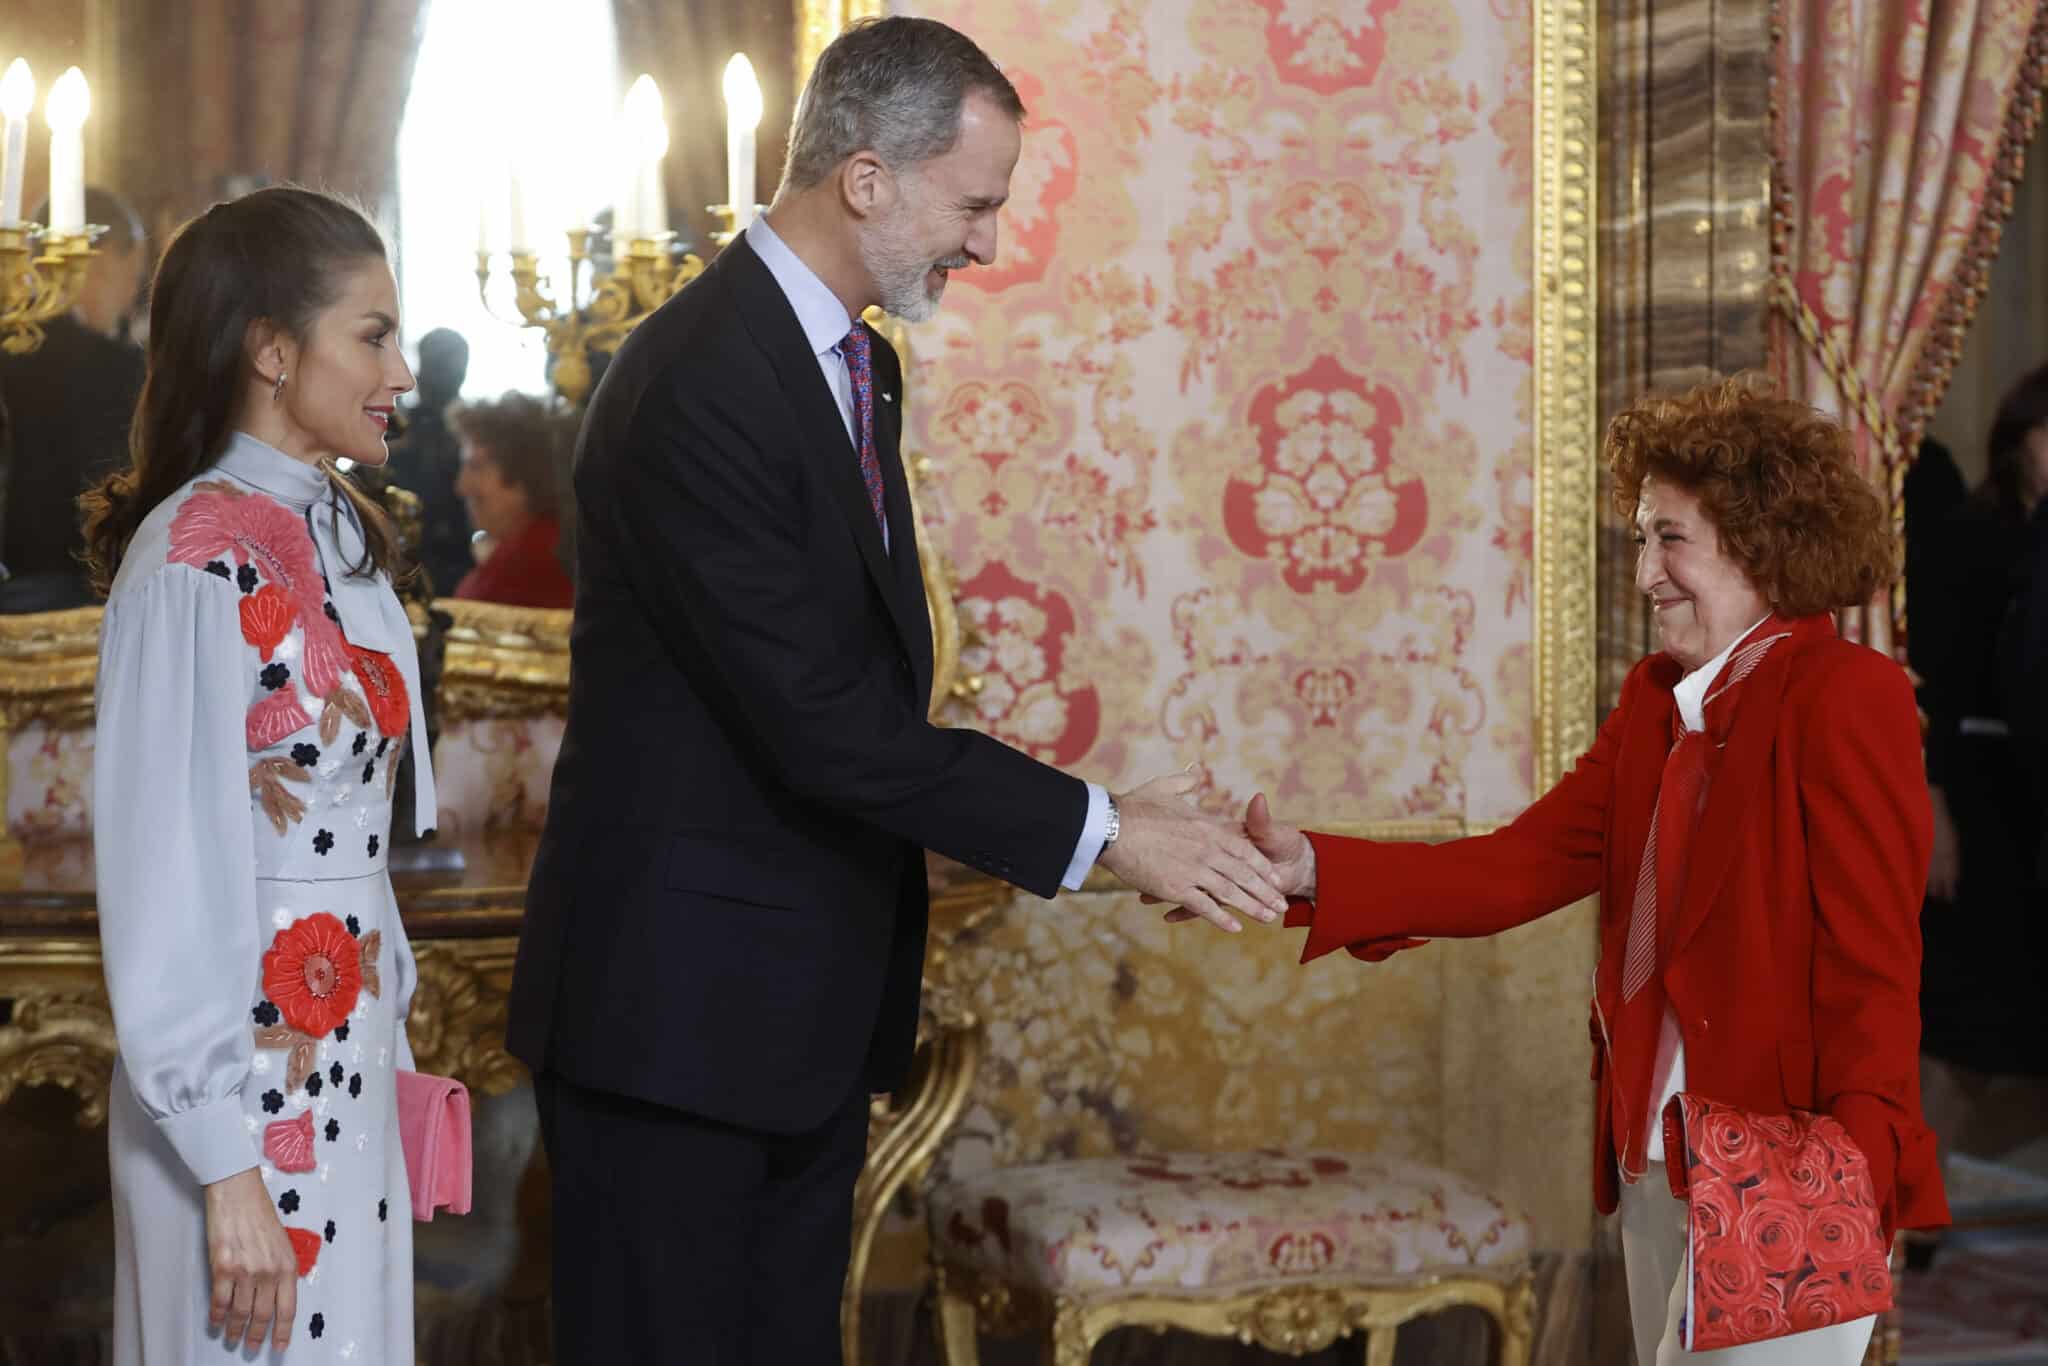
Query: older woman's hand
1292	856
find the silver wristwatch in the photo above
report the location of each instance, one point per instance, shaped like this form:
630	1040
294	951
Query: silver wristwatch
1112	826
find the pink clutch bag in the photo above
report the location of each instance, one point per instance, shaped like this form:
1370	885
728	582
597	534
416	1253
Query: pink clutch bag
1782	1228
433	1124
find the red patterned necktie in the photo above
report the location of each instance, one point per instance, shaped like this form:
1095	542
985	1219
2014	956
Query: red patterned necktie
1681	795
858	352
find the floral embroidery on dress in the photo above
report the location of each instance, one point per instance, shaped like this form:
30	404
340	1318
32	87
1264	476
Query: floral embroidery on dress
306	1244
341	703
384	686
220	520
267	779
298	1068
274	718
327	655
391	769
267	617
314	971
373	981
288	1143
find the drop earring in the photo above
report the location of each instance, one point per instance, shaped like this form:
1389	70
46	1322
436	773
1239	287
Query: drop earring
278	392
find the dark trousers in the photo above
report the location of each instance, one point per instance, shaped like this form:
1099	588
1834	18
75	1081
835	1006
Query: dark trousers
680	1240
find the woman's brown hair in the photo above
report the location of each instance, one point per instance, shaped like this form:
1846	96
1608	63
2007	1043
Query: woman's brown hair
1777	478
521	437
280	255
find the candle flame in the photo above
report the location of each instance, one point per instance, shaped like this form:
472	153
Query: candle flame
69	102
742	93
17	90
646	124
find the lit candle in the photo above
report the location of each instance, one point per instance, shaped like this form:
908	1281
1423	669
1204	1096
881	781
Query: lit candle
742	116
516	220
17	97
646	143
69	102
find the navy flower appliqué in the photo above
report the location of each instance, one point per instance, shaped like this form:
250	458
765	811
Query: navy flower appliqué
305	756
218	567
355	1086
273	1101
333	1130
373	846
274	676
289	1202
362	743
316	1325
245	578
322	842
265	1013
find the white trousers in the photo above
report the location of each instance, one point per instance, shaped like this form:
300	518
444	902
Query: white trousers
1653	1249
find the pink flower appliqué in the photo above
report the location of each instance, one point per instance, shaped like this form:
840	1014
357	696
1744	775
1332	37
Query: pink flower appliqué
289	1143
220	520
275	717
326	659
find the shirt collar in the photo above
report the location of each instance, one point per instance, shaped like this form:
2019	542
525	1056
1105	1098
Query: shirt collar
818	310
263	466
1691	691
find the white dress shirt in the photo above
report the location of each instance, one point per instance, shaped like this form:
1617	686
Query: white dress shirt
1668	1077
825	323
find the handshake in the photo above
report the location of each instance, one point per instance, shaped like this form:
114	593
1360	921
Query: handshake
1207	866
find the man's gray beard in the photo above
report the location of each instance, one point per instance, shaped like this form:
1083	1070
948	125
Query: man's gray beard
898	277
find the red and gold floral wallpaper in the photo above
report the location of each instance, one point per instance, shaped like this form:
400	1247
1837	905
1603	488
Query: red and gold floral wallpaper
1231	454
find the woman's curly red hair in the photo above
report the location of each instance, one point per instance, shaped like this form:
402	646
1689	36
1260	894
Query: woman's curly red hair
1778	479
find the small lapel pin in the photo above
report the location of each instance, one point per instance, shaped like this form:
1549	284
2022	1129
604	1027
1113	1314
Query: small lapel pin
888	397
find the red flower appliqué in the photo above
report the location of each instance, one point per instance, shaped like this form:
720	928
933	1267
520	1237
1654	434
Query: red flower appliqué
313	973
306	1243
267	617
384	686
220	519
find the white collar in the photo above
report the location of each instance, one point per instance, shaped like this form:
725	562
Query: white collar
818	310
1691	692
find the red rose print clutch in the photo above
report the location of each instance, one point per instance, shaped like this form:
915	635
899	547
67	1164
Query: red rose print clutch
1782	1224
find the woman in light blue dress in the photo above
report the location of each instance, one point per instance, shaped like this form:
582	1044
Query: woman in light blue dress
257	687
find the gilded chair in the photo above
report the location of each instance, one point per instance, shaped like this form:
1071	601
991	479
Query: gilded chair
1291	1251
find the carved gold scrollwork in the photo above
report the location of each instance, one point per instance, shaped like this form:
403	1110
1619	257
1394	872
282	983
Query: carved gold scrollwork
457	1024
60	1038
1297	1320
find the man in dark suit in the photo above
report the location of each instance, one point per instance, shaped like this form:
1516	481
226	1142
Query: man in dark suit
726	921
70	400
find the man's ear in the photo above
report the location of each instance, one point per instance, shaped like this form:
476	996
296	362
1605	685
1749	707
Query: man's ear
866	186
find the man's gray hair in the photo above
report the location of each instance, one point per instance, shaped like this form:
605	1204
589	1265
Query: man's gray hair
891	86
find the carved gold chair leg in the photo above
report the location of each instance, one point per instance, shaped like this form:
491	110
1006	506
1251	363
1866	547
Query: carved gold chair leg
1518	1321
958	1324
1074	1334
1379	1346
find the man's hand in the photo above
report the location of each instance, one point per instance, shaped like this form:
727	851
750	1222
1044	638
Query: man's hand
1292	857
1174	853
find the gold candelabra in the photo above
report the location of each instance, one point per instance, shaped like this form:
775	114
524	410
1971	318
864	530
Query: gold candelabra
40	276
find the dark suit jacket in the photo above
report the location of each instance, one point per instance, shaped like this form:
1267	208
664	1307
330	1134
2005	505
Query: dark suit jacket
727	911
1794	969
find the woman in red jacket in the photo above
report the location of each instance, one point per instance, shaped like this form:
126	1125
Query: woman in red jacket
1754	816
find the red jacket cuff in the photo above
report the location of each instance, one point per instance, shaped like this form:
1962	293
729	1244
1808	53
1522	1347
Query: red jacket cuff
1340	927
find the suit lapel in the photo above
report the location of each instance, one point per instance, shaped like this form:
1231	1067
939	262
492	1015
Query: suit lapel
913	617
1637	777
1739	792
767	314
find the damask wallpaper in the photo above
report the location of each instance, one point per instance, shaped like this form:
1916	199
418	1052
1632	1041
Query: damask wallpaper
1232	458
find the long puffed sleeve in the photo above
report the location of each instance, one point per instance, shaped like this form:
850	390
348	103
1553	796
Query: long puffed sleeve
174	856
